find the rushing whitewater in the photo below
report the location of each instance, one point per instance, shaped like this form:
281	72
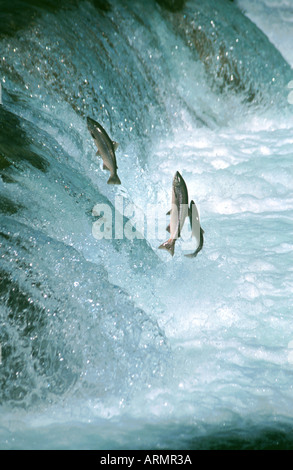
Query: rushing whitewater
106	341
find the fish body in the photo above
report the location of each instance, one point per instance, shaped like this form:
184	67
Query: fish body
197	231
106	149
178	212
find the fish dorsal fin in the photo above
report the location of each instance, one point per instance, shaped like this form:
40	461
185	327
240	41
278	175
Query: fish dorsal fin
105	167
168	228
115	145
98	153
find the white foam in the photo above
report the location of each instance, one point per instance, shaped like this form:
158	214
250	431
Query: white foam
275	19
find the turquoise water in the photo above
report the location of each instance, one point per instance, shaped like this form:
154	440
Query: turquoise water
111	343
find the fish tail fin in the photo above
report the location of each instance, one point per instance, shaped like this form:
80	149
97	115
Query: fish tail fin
114	179
192	255
169	245
199	248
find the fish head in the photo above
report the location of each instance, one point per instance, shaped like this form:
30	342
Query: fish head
177	180
180	189
92	126
90	122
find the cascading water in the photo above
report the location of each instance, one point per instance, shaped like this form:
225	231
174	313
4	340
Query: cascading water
107	342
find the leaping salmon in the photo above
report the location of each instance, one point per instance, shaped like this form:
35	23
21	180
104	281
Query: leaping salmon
106	149
197	231
178	212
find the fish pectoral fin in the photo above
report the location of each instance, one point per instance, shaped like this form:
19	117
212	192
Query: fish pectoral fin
98	153
115	145
169	212
105	167
168	228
